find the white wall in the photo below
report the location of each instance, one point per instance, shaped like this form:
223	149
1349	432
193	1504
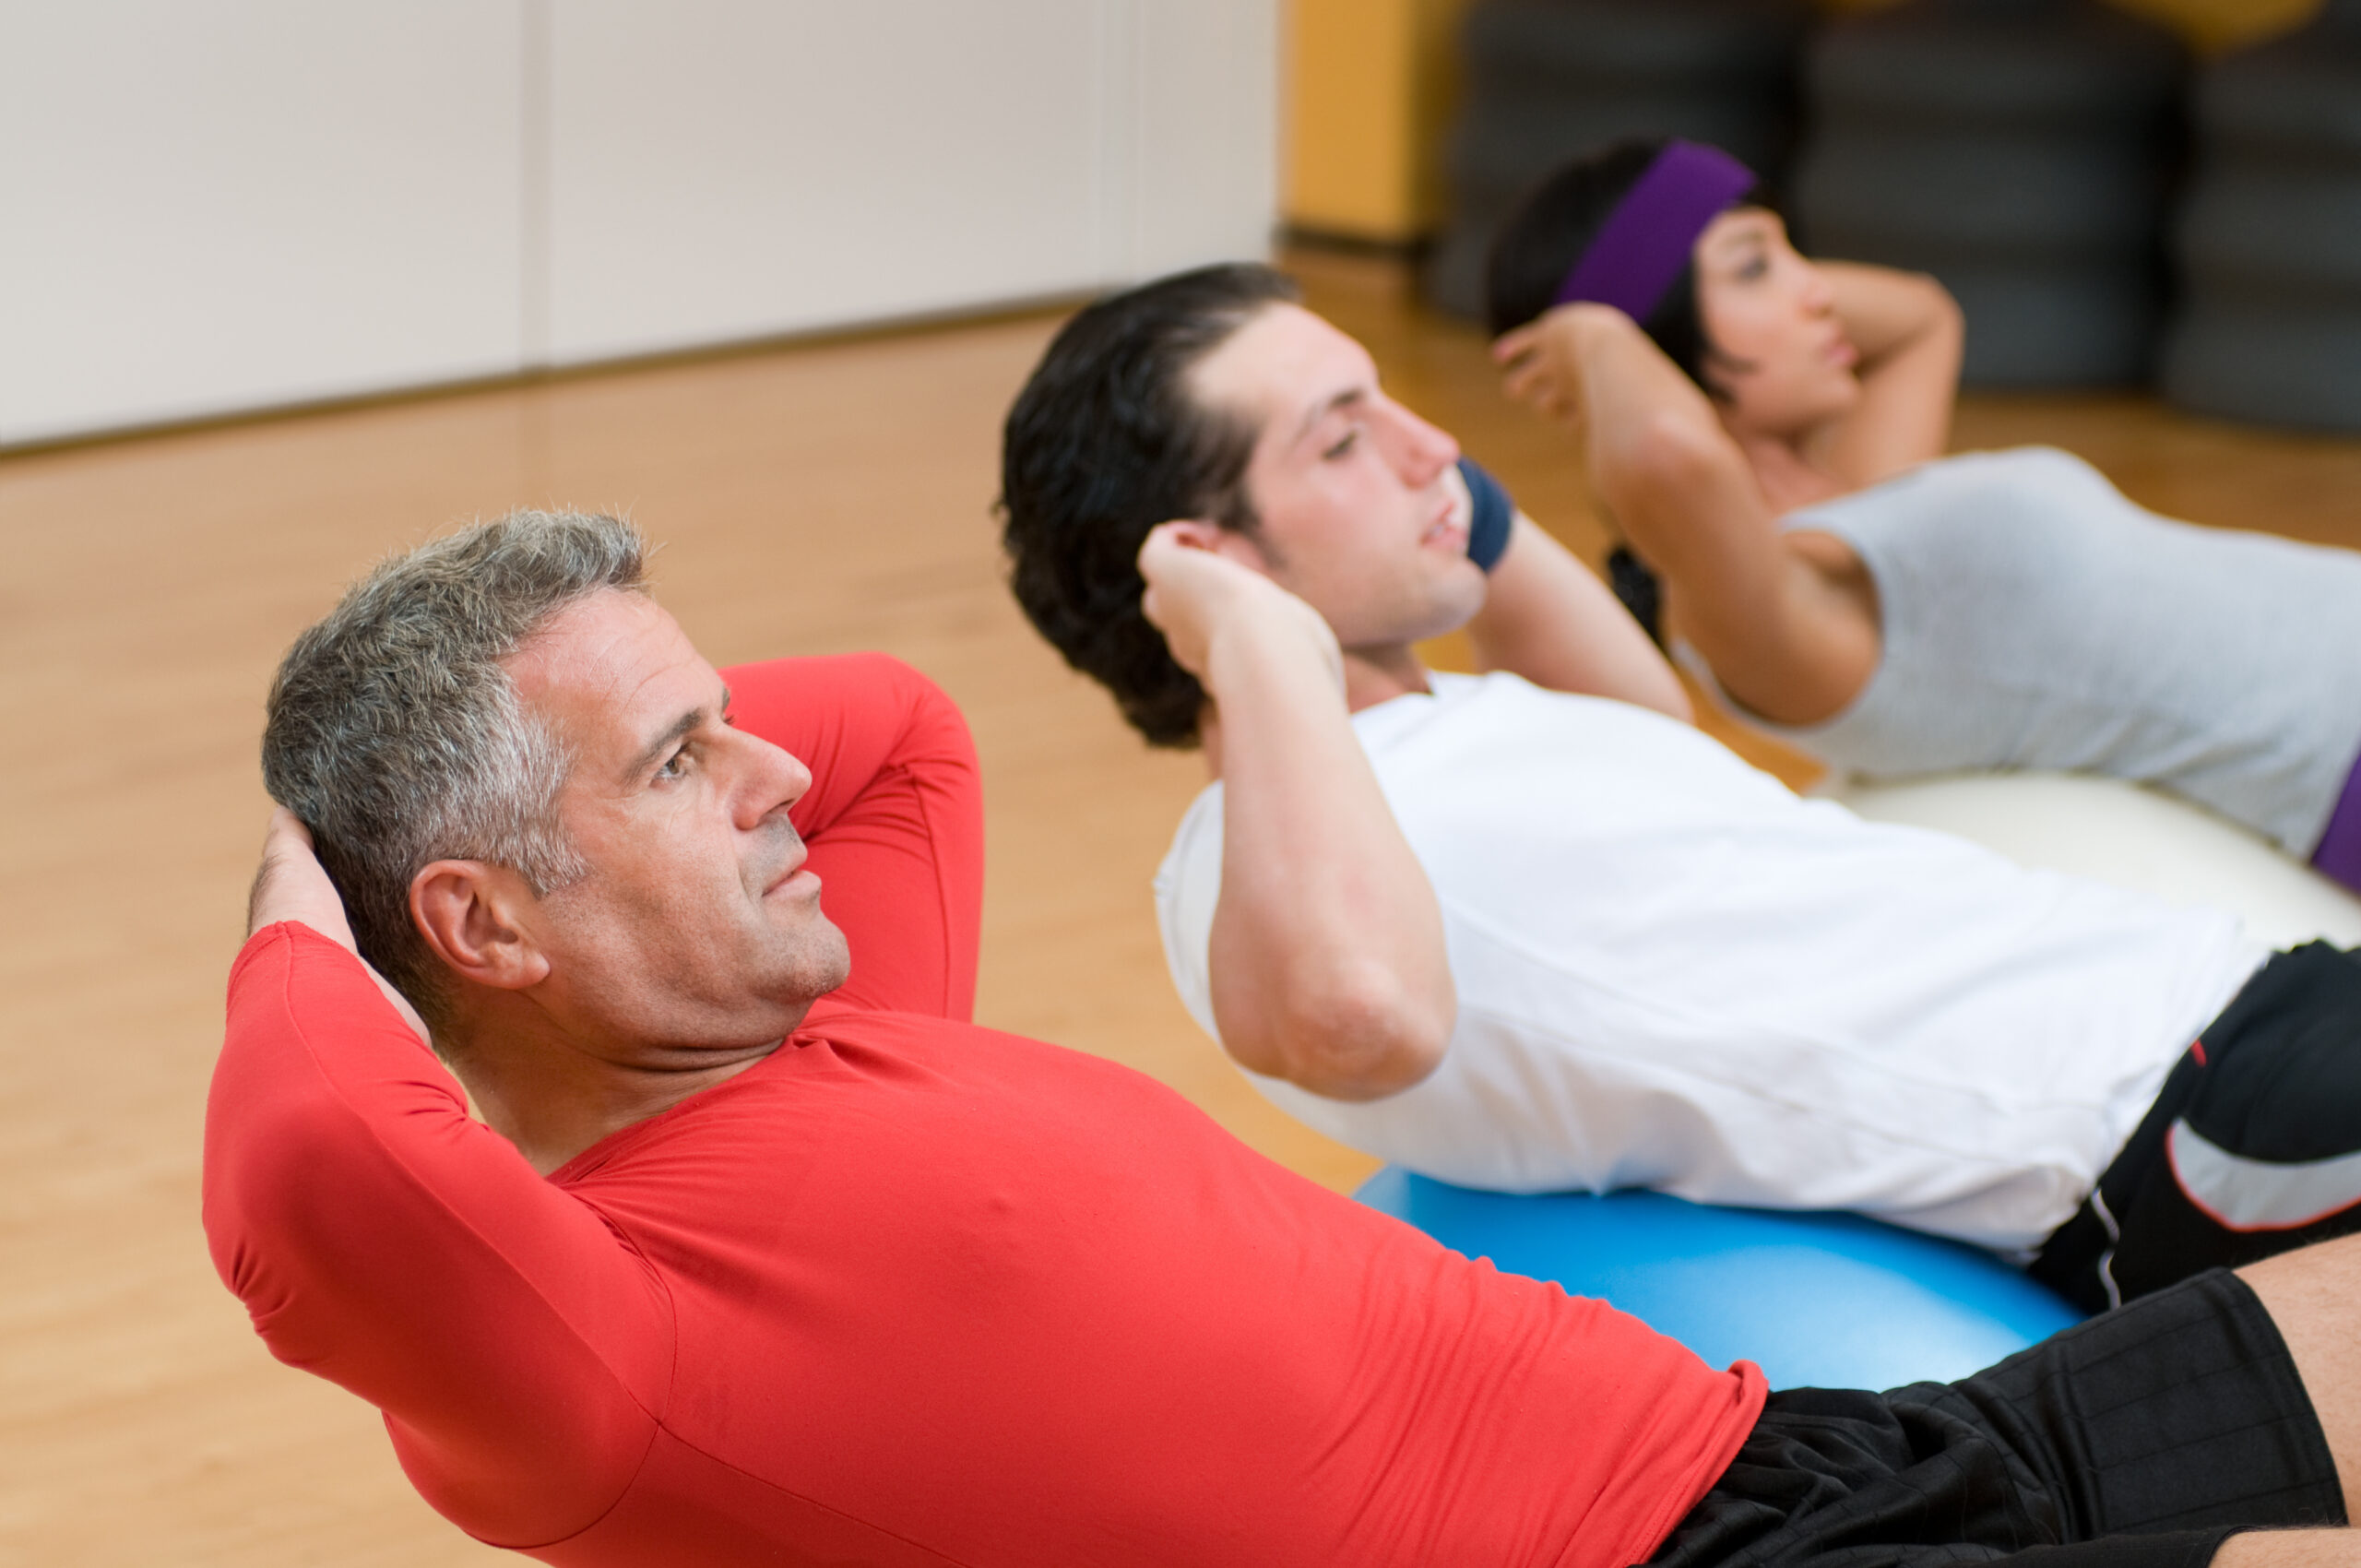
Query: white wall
208	205
212	206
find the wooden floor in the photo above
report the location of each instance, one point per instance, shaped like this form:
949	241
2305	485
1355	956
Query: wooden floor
827	497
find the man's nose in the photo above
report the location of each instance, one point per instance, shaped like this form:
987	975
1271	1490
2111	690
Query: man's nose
775	780
1424	450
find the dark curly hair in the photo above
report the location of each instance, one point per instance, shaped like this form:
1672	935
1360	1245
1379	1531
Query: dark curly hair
1104	442
1555	223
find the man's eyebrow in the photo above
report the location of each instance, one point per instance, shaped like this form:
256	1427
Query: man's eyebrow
654	751
1344	399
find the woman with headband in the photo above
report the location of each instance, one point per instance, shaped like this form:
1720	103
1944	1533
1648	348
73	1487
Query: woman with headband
1767	433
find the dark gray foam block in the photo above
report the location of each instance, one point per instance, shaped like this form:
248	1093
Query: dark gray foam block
2019	150
1552	79
2269	240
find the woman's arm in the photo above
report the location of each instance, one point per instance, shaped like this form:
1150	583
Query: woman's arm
1547	618
1909	332
1785	636
1327	962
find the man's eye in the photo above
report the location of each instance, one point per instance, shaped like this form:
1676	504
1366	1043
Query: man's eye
1344	444
673	767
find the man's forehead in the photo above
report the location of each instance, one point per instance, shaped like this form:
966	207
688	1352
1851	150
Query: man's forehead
612	660
1283	367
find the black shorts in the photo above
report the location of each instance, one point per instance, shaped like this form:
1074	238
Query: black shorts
2253	1146
2141	1439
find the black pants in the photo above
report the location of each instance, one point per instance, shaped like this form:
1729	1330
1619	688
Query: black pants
2141	1439
2253	1146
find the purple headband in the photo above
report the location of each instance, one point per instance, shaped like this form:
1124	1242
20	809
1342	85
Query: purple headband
1647	240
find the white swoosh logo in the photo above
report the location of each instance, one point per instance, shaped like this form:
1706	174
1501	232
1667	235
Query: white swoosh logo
2259	1195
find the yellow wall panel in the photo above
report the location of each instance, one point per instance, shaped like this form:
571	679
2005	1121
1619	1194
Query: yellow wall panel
1372	84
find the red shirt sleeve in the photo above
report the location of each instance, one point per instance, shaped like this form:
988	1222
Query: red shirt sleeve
895	819
383	1239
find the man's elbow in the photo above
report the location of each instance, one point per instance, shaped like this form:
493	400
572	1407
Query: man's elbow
1365	1035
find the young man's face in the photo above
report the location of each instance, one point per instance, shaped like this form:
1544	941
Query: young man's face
1362	510
696	927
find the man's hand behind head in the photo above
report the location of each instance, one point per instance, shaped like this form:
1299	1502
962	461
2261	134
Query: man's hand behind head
291	884
1197	594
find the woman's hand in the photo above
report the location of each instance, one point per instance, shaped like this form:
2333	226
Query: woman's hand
1542	361
292	885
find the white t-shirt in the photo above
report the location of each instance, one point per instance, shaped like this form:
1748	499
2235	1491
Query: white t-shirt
1673	972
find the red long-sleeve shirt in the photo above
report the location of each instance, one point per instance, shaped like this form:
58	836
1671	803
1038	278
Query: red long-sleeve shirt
909	1290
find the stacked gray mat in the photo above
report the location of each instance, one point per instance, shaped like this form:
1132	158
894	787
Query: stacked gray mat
2270	237
1549	79
2021	150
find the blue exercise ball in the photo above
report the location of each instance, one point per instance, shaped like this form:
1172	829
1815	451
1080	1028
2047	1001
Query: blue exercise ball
1827	1300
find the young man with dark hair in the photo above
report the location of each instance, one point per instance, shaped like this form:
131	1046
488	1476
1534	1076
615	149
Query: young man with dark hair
768	1256
1534	931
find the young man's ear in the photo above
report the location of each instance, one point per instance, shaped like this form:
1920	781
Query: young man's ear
474	917
1230	544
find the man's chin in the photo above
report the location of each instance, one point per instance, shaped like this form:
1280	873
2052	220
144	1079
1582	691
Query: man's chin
1456	601
825	965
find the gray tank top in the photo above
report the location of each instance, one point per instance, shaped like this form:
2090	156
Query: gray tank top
2035	618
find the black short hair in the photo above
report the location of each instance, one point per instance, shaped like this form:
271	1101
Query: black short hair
1105	443
1554	223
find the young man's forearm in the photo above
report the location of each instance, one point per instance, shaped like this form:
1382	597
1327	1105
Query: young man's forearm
1327	959
1547	618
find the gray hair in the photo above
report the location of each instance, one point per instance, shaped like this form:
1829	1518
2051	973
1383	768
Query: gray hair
397	735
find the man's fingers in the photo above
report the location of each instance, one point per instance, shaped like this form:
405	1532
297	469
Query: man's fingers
1181	533
291	884
285	828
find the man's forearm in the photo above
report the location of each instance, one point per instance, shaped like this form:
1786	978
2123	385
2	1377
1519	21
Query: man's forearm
1547	618
1327	957
2291	1549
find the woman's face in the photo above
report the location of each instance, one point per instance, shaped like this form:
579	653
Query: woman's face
1778	355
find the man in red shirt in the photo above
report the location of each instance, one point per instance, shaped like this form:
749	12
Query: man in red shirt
763	1252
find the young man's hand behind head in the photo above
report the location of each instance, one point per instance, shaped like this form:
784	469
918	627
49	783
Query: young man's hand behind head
1196	595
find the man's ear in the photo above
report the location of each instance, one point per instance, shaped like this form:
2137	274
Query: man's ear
473	916
1233	545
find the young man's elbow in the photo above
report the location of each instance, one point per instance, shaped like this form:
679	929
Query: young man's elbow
1366	1038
